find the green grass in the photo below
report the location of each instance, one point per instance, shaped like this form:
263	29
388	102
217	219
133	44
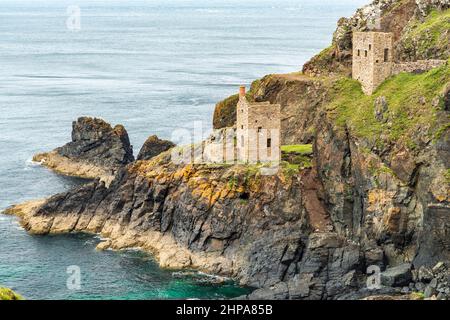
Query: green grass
425	38
440	131
289	169
296	157
304	149
350	108
303	161
418	295
447	176
324	57
8	294
385	169
435	24
290	166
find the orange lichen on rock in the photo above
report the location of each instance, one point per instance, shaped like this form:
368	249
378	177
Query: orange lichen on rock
392	219
379	198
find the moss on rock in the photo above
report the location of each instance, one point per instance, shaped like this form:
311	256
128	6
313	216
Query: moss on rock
330	61
8	294
428	39
410	111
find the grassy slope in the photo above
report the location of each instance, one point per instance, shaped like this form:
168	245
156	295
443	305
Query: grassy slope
436	23
429	38
297	148
295	157
348	106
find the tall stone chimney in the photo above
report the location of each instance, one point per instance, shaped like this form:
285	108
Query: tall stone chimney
241	91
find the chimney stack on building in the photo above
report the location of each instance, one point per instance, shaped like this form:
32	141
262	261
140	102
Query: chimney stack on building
241	91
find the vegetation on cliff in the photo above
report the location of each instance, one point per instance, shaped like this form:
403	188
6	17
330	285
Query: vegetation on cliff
328	62
295	157
428	39
8	294
305	149
411	104
392	16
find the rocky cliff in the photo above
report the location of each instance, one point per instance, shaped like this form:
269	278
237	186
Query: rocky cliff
153	146
378	192
229	220
97	150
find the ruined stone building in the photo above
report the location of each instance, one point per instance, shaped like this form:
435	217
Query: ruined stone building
373	60
258	130
220	147
256	137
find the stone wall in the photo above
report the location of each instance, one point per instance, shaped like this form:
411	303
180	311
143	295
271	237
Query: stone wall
220	147
416	66
373	60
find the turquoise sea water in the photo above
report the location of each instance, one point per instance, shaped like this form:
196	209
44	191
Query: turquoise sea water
153	66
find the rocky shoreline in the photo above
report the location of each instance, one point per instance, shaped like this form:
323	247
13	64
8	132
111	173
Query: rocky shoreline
115	236
70	167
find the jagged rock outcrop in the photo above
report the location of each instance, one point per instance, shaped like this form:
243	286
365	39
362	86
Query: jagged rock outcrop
153	146
265	231
97	150
400	275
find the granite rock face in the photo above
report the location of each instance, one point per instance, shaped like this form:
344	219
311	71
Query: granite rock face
153	146
291	237
400	275
94	140
227	221
260	230
97	150
403	210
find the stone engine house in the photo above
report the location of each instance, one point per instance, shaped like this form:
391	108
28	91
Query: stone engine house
372	58
258	130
